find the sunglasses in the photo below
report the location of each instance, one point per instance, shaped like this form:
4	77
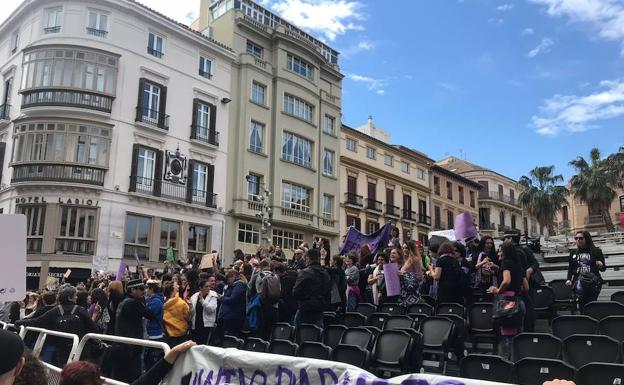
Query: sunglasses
579	238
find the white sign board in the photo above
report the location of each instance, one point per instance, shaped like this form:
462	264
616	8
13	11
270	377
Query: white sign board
13	257
100	263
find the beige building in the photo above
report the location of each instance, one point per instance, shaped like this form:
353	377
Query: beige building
451	194
499	209
380	182
284	125
575	216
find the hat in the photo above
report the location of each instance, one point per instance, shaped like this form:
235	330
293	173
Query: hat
135	284
11	352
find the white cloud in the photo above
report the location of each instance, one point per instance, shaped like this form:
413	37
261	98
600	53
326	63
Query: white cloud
514	83
372	84
329	18
380	92
542	47
572	113
447	86
496	20
527	32
361	46
505	7
184	11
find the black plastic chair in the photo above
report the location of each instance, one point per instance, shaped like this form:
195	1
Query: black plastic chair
282	331
613	327
480	324
391	353
618	296
567	325
314	350
352	355
418	319
429	300
437	332
253	344
421	308
352	320
451	308
603	309
378	320
366	309
232	342
359	336
390	308
308	333
486	367
536	371
536	345
564	295
600	373
332	335
581	349
399	322
544	300
330	318
283	347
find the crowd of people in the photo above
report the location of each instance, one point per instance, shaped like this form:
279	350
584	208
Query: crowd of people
184	303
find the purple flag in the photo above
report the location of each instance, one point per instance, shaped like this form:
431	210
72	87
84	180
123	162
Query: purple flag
121	271
377	240
391	278
464	227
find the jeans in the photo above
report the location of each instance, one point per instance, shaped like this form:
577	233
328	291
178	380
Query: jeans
504	347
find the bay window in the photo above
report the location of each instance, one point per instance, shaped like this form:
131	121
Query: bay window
297	107
296	149
77	230
295	197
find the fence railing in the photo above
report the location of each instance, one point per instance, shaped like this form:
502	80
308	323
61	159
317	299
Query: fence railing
67	98
41	337
46	172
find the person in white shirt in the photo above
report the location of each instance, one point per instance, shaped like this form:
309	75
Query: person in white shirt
203	311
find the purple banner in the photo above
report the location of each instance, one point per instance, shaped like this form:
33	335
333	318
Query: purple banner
121	271
391	277
377	240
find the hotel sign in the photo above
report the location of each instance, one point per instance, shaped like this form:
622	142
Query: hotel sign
63	201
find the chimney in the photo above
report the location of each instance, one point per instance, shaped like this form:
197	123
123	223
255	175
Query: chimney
370	119
204	12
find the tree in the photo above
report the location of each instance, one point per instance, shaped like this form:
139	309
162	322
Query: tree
595	182
616	164
542	197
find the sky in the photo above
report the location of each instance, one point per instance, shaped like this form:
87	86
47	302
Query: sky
509	85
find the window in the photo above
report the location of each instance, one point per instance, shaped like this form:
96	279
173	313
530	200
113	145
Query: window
297	107
460	191
622	204
151	102
77	230
205	67
35	221
351	145
354	221
168	238
513	222
53	20
436	185
203	129
155	45
258	93
61	143
405	167
370	153
388	160
450	219
512	196
295	197
472	199
287	239
300	66
137	236
501	218
437	220
296	149
253	187
201	180
70	68
254	49
197	242
145	169
328	206
329	125
420	173
372	226
328	163
14	41
256	136
449	190
97	23
248	233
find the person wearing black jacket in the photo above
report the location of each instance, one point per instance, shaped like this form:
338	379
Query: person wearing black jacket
338	300
312	291
287	304
584	267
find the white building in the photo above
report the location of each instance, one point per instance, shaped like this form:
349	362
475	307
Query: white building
114	134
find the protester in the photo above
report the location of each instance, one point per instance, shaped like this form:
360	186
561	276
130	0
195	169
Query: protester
338	301
155	304
115	296
447	273
287	304
203	310
467	271
584	267
11	357
176	315
376	279
231	314
98	310
486	265
265	289
352	275
33	372
312	291
411	275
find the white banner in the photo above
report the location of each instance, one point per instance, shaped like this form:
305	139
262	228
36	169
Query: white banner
207	365
100	263
13	256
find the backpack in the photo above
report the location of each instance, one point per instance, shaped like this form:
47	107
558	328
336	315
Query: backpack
270	289
68	322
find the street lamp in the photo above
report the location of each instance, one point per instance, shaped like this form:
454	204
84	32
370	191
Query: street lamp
264	214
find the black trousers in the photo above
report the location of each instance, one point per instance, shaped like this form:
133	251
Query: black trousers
126	362
201	335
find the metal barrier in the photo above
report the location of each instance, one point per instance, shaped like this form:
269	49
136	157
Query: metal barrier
43	333
121	340
11	327
54	376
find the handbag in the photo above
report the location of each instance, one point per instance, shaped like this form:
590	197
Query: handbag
506	308
590	281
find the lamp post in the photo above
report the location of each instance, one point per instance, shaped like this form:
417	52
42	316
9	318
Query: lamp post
265	214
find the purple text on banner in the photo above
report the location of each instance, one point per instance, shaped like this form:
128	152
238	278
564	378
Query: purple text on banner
391	277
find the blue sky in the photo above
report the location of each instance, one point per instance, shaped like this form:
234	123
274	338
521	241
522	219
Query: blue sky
509	85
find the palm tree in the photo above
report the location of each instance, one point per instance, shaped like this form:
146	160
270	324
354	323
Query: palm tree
542	197
595	183
616	164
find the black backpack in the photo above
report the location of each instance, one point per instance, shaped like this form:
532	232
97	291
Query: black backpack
68	322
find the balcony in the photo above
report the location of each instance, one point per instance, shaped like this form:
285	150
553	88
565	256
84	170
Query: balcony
593	220
486	226
75	246
373	205
67	98
97	32
46	172
503	228
495	195
409	215
141	251
205	74
54	29
154	52
173	191
424	220
287	212
393	211
205	135
328	222
354	200
5	112
152	117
